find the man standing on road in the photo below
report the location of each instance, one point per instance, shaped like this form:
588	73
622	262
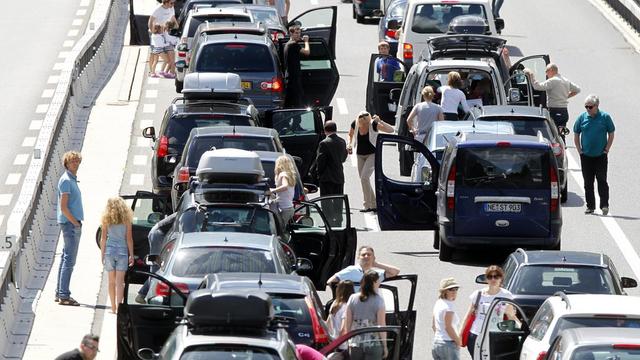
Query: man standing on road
366	260
70	216
332	152
559	89
593	137
292	52
88	349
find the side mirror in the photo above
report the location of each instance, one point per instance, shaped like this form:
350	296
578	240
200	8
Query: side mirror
394	95
427	173
481	279
514	95
171	159
298	161
154	217
507	325
499	24
628	282
305	221
149	133
328	113
150	260
310	188
147	354
303	265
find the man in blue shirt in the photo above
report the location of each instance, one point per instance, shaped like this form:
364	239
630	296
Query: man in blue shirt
70	216
593	136
386	65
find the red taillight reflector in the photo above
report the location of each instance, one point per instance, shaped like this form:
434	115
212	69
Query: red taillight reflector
555	190
503	144
183	174
163	147
391	33
182	53
451	188
557	149
211	116
541	355
235	46
320	336
275	85
627	346
407	51
163	289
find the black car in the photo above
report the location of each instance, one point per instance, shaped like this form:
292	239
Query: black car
533	276
179	118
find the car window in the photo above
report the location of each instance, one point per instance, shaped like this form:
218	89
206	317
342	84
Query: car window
435	18
477	85
606	352
546	280
179	127
525	127
397	10
196	21
511	167
509	268
235	219
569	322
292	306
265	16
235	57
202	144
541	321
225	351
294	122
318	59
200	261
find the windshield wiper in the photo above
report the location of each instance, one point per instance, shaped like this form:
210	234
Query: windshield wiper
487	177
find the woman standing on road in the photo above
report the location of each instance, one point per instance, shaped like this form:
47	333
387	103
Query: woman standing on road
366	134
446	342
482	299
344	290
116	244
426	113
285	180
452	96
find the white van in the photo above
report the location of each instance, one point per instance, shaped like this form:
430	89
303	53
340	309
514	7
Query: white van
425	19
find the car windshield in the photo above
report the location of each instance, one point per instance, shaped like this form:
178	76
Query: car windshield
196	21
435	18
507	167
250	143
606	352
621	321
292	306
525	127
200	261
239	352
179	127
546	280
235	57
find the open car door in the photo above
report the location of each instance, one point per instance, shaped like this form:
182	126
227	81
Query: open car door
382	79
361	342
399	294
320	23
504	330
145	325
321	232
300	131
529	96
402	203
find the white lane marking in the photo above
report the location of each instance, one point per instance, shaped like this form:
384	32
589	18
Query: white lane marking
53	79
73	32
58	66
140	160
29	141
76	22
149	108
610	223
68	43
5	199
63	54
35	125
47	93
153	81
142	141
84	3
136	179
13	179
354	160
42	108
145	123
371	221
342	106
151	94
21	159
81	12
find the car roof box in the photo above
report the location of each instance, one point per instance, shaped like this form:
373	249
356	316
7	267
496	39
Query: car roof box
226	310
230	166
217	86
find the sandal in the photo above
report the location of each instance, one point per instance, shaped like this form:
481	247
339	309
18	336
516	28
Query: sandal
69	302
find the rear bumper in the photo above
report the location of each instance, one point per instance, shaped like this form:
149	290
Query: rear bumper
470	241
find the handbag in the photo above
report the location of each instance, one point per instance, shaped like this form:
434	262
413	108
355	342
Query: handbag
466	327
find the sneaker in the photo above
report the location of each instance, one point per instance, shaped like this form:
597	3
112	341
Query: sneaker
140	299
605	210
588	211
153	75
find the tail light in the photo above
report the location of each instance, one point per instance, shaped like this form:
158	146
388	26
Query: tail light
557	149
407	51
275	85
541	355
626	346
503	144
391	33
163	289
553	176
183	175
275	35
163	147
451	188
320	336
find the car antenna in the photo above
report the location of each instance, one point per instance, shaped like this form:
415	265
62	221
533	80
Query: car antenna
260	280
234	129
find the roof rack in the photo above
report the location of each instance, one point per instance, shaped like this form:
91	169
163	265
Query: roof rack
524	254
564	298
241	101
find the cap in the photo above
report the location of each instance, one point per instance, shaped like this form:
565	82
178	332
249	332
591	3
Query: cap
448	283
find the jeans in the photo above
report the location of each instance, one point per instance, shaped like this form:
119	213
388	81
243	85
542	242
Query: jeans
145	287
71	236
366	166
595	168
471	343
445	350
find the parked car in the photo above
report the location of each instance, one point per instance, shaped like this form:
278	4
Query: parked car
391	23
367	8
596	343
182	10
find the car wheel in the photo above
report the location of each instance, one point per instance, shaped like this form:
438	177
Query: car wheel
564	193
445	252
179	85
353	8
436	238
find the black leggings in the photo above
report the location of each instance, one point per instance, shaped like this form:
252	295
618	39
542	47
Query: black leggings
471	343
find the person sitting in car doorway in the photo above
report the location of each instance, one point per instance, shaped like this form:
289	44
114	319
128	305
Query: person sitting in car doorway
366	260
386	65
88	349
292	55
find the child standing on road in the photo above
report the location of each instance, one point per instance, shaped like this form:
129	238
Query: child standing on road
116	244
170	43
158	46
336	314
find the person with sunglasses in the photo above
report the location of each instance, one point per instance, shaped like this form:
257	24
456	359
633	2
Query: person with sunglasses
446	341
593	134
88	349
481	301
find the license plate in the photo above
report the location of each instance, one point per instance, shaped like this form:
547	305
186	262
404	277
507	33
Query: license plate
246	85
503	207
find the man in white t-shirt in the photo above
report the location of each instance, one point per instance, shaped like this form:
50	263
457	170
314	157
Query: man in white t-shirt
366	260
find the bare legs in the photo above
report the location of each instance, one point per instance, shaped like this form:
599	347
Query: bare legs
116	289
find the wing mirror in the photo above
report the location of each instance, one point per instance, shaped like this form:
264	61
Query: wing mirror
310	188
394	95
514	95
154	217
147	354
628	282
481	279
507	325
499	24
149	133
171	159
303	265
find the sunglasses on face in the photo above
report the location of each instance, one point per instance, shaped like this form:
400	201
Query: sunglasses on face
494	276
589	107
92	347
363	115
453	289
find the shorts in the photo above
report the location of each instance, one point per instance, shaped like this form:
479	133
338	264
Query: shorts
116	262
169	48
157	50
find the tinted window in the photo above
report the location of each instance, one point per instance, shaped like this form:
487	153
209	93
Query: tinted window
546	280
196	21
197	262
235	58
565	323
236	219
435	18
294	123
291	306
503	167
605	352
179	127
202	144
525	127
228	352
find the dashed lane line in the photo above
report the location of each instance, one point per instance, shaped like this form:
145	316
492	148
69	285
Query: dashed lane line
142	141
151	94
47	93
153	81
53	79
5	199
29	141
13	179
145	123
149	108
21	159
84	3
68	43
73	33
342	106
140	160
63	54
42	108
76	22
81	12
35	125
136	179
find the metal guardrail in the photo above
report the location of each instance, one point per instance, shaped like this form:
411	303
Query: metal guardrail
629	10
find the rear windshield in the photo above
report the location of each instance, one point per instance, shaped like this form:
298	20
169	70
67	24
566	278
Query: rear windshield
435	18
179	127
198	262
547	280
503	167
231	57
525	127
196	21
249	143
228	352
606	352
292	306
251	220
565	323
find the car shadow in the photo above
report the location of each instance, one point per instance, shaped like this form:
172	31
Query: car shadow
573	200
479	257
621	217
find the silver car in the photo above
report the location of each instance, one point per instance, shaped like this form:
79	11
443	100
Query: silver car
596	343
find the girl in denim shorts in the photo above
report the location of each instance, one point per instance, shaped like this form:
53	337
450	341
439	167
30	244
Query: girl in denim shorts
116	243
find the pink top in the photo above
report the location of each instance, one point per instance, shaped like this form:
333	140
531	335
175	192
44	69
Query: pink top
307	353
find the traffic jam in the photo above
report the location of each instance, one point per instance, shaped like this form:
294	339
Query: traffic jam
233	243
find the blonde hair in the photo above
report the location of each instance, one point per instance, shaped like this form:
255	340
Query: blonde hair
70	156
453	79
117	212
286	166
428	93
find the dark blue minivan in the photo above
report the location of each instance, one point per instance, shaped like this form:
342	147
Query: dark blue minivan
495	190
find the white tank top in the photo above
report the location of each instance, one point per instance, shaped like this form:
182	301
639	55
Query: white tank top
284	199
